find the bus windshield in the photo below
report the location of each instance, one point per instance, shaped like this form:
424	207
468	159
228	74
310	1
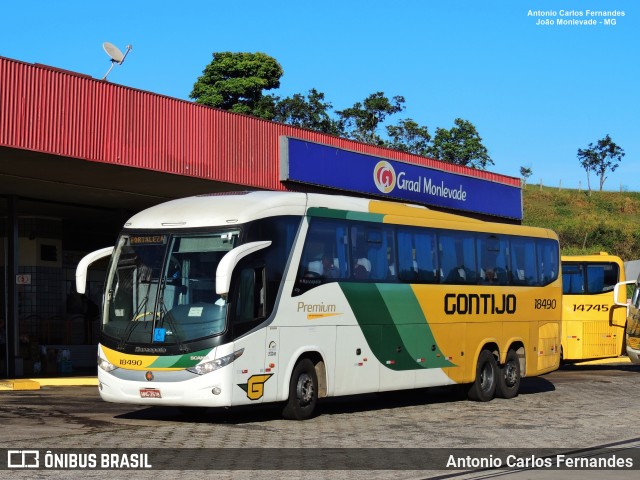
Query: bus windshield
589	278
161	288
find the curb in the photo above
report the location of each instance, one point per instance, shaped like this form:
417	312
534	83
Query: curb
19	385
606	361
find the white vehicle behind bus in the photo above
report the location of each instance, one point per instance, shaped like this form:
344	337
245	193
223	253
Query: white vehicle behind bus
632	338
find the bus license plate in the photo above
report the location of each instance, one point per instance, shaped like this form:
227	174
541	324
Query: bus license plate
150	393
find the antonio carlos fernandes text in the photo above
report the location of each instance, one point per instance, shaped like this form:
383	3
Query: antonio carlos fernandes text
532	461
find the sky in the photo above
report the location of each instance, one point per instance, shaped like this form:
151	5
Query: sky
535	93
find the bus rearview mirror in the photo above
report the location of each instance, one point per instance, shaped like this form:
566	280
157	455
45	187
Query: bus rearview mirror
83	267
230	260
616	293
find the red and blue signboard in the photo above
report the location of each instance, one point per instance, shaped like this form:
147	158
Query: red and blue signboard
323	165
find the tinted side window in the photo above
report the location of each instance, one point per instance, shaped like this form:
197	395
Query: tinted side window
589	278
548	260
602	277
326	256
493	260
572	278
372	252
281	231
524	266
457	257
417	255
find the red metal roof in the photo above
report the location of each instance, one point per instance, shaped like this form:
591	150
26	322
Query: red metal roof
55	111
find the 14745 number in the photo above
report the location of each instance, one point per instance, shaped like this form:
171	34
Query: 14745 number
587	307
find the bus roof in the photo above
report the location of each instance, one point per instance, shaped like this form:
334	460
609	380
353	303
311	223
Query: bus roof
228	209
596	257
219	209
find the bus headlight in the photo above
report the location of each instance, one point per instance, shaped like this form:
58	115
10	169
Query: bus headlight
105	365
207	365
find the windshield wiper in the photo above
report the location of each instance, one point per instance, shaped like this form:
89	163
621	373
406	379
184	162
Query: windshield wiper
166	316
133	322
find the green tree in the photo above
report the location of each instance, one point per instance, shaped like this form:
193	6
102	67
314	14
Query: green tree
361	121
600	158
408	136
236	82
310	112
461	145
525	173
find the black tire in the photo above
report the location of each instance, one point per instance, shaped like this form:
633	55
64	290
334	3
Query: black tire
303	392
509	376
483	388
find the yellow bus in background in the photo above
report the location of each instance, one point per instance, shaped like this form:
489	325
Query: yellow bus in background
593	323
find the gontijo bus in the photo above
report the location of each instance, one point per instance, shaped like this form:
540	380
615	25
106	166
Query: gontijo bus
593	325
256	297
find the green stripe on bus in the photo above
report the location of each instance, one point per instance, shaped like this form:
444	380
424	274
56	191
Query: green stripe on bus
180	361
344	215
401	340
412	325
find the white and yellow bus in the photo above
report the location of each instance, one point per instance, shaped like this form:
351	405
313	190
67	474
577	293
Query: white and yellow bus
257	297
593	324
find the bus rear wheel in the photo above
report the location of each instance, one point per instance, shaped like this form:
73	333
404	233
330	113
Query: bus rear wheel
483	388
303	391
509	376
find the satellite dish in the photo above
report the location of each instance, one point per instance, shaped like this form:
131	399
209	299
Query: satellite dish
113	51
115	54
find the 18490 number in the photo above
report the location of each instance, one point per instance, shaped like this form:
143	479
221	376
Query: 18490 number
545	304
125	362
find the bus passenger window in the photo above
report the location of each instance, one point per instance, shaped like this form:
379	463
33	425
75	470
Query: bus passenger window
417	259
572	279
325	251
457	258
548	259
407	267
523	262
379	245
595	278
325	256
611	276
493	260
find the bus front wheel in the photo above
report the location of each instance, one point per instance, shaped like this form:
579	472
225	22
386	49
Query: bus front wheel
303	391
509	376
483	388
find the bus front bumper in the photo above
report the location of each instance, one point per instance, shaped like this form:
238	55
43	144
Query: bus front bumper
210	390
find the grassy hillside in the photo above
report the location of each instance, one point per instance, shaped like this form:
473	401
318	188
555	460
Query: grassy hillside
602	221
